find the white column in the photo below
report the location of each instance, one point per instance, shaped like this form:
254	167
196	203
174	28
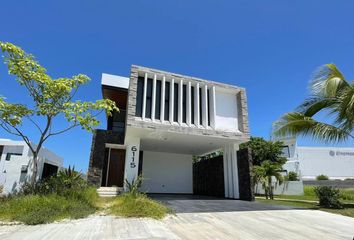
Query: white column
162	112
172	98
144	96
234	149
230	171
212	107
180	101
153	98
226	167
196	105
205	105
131	159
189	104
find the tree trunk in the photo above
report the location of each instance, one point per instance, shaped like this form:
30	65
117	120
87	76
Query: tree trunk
270	188
35	169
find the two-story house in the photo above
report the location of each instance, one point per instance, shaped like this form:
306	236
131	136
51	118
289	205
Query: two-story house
164	120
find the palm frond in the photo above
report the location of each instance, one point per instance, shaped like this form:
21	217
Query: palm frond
327	81
295	123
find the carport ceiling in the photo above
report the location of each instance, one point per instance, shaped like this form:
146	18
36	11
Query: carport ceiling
154	140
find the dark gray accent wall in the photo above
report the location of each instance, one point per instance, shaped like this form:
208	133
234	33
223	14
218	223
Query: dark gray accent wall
99	140
244	163
208	177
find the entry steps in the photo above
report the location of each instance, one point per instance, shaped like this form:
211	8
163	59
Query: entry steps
109	191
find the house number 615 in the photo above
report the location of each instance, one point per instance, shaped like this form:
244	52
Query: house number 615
132	164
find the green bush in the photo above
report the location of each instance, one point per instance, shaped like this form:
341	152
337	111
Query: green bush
292	176
137	205
322	177
328	197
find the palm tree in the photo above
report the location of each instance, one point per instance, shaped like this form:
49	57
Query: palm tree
264	174
330	93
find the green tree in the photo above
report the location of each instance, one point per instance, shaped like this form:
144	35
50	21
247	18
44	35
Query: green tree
263	150
264	174
330	93
52	98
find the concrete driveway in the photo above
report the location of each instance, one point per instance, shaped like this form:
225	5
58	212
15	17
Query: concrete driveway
199	218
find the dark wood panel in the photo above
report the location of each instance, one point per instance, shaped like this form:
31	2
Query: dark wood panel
116	168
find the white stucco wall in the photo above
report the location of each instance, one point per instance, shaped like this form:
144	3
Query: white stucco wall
11	176
226	111
336	163
167	173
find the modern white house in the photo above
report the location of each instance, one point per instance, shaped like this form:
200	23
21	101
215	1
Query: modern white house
16	166
309	162
164	120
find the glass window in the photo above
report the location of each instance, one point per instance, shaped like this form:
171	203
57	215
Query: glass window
148	98
184	103
286	151
8	155
200	107
158	100
175	103
167	101
139	97
208	105
192	104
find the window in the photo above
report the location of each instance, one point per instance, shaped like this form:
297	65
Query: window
192	104
208	105
286	151
1	150
200	107
184	103
167	101
8	155
139	97
158	100
148	98
175	103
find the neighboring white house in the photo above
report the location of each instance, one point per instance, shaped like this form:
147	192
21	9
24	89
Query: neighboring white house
164	119
16	164
309	162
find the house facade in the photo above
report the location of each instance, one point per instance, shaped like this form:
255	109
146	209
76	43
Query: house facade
164	120
309	162
16	166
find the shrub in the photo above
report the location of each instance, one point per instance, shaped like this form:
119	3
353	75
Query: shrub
322	177
292	176
328	197
133	187
65	180
1	189
138	205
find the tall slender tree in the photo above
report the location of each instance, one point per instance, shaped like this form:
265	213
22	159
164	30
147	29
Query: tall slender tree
51	99
330	93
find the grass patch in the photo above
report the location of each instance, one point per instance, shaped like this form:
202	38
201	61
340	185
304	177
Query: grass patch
346	195
39	209
138	205
348	209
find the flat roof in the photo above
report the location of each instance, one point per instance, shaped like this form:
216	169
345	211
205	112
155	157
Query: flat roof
115	81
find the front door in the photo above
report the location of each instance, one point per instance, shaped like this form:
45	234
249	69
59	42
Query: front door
115	176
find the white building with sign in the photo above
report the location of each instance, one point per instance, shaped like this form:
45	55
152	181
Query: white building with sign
335	162
16	164
164	120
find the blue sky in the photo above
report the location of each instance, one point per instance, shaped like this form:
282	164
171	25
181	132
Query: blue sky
269	47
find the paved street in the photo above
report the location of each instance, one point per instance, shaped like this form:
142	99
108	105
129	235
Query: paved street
199	219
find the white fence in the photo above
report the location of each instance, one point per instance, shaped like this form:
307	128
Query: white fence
287	188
